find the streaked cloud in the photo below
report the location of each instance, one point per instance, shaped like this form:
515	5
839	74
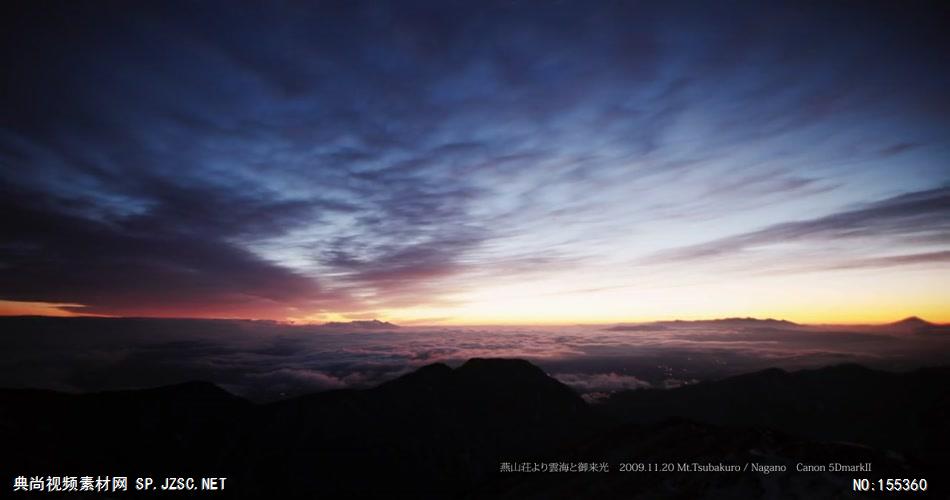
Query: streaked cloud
909	218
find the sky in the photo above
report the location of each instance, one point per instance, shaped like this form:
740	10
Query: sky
476	162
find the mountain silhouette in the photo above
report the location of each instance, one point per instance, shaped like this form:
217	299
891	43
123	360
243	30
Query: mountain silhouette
373	324
179	427
712	323
895	411
434	432
739	322
912	321
440	432
914	324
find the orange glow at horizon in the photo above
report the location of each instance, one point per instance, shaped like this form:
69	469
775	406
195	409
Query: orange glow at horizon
830	314
555	299
17	308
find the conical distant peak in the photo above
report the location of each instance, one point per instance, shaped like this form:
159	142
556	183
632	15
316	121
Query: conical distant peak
913	320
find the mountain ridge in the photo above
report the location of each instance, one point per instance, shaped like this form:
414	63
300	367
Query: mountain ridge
441	432
373	324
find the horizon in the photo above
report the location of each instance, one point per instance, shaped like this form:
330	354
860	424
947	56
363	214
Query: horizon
411	324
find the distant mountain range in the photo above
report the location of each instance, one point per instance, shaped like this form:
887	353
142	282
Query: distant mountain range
373	324
912	324
725	322
440	432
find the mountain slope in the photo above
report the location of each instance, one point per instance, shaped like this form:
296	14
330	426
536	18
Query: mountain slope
905	412
441	433
456	422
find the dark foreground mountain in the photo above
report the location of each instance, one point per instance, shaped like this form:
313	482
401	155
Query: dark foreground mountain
893	411
446	433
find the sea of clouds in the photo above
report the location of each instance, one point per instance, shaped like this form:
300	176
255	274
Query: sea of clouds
266	360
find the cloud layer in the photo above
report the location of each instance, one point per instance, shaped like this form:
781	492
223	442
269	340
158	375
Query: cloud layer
266	360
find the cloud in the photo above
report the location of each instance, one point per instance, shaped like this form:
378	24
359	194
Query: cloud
601	382
930	258
922	214
284	380
135	267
